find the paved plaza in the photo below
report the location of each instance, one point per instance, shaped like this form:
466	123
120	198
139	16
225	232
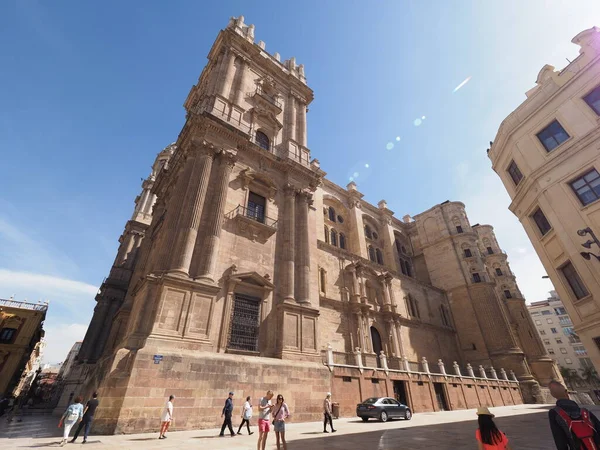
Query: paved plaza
526	426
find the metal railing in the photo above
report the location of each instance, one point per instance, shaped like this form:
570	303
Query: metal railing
271	99
252	214
23	305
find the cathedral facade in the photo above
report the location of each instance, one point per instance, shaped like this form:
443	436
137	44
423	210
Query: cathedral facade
244	269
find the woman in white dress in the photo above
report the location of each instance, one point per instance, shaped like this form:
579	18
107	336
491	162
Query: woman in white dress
166	417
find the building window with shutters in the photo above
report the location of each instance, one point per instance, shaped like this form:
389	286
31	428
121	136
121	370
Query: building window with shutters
256	207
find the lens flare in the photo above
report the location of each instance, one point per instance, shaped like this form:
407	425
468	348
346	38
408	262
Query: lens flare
417	122
389	146
423	117
465	81
398	138
355	174
367	165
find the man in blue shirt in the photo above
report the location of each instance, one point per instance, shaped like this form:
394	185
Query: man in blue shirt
227	412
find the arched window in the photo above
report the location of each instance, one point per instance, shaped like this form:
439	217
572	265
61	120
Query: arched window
398	246
342	241
372	253
379	256
368	232
334	237
326	234
331	214
263	140
412	306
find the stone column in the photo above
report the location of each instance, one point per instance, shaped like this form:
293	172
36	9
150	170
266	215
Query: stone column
240	74
191	212
387	303
303	253
215	75
215	218
289	241
301	131
227	74
291	107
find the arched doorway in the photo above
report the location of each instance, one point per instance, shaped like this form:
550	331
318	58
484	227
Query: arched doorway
376	341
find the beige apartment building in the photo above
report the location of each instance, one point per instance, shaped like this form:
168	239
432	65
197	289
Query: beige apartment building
547	154
556	331
20	334
244	268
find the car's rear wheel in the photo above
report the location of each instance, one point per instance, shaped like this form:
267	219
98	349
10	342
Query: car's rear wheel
364	419
407	414
383	416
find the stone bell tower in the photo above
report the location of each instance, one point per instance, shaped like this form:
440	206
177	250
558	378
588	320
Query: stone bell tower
224	263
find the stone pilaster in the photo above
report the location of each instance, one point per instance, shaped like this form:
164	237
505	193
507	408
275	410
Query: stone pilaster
191	211
239	88
303	249
289	240
215	218
301	131
111	309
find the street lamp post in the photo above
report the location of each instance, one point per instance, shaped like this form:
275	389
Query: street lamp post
589	243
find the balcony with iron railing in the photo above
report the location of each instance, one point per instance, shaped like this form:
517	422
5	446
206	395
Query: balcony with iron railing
252	216
272	99
23	305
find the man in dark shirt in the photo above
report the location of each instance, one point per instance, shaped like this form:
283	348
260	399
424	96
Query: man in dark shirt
563	438
227	411
88	417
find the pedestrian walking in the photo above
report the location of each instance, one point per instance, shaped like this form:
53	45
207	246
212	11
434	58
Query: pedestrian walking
327	414
88	417
572	427
166	417
264	424
227	412
280	413
73	413
488	435
246	416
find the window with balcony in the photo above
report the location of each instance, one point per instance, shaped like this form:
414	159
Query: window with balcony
565	321
593	100
580	350
256	207
587	187
459	229
552	136
507	294
540	220
498	272
586	362
570	333
262	140
476	278
560	310
7	335
490	250
577	287
515	173
468	253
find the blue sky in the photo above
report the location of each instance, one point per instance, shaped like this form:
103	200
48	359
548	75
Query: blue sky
91	91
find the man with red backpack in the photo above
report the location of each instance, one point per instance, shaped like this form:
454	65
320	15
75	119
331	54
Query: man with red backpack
573	428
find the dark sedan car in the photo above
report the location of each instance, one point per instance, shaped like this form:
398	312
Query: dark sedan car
382	408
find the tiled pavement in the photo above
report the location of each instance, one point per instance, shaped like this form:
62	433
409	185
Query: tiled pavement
526	426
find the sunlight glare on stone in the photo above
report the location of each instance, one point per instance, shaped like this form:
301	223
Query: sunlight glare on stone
389	146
